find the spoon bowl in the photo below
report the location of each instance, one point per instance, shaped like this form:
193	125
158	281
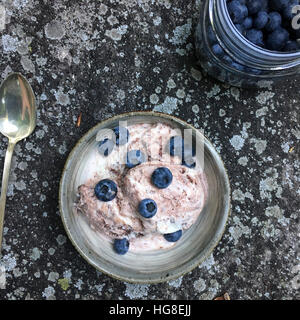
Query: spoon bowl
17	108
17	121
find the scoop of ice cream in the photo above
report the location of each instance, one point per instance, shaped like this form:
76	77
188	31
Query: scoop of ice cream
178	205
114	218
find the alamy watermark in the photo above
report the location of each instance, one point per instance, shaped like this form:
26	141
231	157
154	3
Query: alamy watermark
296	18
2	277
156	144
2	17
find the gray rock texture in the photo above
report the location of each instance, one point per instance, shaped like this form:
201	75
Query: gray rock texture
102	58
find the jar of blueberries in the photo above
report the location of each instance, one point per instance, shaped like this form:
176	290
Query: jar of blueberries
248	42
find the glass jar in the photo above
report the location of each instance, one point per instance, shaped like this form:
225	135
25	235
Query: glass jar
238	62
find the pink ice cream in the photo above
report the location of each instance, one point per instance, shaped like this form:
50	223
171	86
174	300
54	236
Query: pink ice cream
179	205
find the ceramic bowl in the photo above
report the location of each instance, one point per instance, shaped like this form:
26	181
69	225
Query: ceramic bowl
152	266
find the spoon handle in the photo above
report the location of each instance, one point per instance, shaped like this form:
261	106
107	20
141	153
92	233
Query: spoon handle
5	176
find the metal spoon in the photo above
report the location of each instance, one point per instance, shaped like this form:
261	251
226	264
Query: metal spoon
17	121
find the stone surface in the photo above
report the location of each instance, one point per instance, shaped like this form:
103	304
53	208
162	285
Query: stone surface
105	59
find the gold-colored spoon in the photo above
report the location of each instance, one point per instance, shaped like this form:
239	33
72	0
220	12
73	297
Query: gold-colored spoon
17	121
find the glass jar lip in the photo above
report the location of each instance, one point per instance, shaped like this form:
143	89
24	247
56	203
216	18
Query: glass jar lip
272	54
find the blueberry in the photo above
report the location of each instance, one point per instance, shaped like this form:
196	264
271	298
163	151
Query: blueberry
227	59
105	147
189	163
177	147
240	28
279	4
253	71
287	12
211	35
255	36
277	39
261	20
217	50
122	135
134	158
237	11
237	66
274	21
254	6
233	64
247	23
173	237
147	208
162	177
291	46
106	190
121	246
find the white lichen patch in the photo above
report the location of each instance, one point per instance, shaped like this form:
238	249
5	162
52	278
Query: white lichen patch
243	161
208	263
159	49
136	291
269	185
78	284
171	84
8	262
62	98
196	74
9	43
261	112
53	276
285	147
264	97
296	133
27	64
180	93
260	145
49	293
237	230
112	20
61	239
211	292
62	148
269	231
55	30
214	91
181	33
175	283
238	195
235	92
51	251
265	84
199	285
195	108
114	34
277	213
168	106
237	142
103	9
154	99
157	21
35	254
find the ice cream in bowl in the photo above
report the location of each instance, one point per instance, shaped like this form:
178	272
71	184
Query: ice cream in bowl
144	197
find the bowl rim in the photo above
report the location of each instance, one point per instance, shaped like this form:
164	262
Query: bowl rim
128	279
